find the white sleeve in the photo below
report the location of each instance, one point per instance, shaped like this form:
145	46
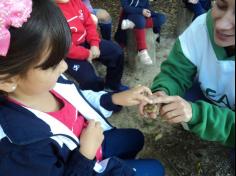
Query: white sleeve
94	99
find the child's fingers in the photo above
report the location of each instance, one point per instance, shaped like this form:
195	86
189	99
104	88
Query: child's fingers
150	115
142	98
143	89
141	108
134	102
153	115
98	124
91	123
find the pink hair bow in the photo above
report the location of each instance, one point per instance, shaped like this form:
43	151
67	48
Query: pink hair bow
13	13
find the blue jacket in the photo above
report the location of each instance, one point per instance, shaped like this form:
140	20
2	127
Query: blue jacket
33	143
134	6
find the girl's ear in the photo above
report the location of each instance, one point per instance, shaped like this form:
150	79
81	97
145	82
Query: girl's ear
8	85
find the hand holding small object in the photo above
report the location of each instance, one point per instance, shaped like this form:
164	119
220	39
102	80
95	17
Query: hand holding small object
95	52
132	97
91	139
151	110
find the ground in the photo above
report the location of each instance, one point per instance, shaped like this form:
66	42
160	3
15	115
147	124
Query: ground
182	153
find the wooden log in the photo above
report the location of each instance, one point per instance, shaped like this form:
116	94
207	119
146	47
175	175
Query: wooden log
131	48
184	18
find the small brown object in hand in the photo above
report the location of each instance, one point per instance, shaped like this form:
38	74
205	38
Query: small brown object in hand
151	108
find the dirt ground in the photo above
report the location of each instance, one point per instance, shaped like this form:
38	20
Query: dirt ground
182	153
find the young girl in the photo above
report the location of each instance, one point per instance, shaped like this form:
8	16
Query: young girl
103	19
47	125
138	16
86	47
209	109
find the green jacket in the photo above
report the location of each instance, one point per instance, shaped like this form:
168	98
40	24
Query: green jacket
195	56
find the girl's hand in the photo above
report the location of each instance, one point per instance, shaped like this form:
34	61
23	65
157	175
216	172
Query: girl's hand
155	106
147	13
91	139
132	97
95	52
175	109
90	58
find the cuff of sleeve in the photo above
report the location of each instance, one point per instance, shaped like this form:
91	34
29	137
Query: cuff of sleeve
195	111
161	89
95	43
107	103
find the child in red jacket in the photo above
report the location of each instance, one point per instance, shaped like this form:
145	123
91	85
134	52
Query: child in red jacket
86	46
137	15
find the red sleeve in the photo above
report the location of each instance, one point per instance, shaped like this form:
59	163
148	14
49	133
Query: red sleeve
92	35
78	52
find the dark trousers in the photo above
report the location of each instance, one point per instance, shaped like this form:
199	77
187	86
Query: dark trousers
200	8
140	21
122	143
126	144
147	167
112	57
106	30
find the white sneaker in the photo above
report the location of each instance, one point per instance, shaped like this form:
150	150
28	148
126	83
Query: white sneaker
127	24
144	57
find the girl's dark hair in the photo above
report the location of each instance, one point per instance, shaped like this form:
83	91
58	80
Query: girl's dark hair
45	30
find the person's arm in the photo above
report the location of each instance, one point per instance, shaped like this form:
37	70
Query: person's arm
101	101
107	103
92	35
177	73
40	159
129	9
213	123
78	52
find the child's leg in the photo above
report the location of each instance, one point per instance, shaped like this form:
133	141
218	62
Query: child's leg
84	73
122	143
106	30
197	9
112	56
158	19
206	4
105	23
140	34
147	167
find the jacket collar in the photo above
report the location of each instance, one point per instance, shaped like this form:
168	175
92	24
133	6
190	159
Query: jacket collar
20	125
23	125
